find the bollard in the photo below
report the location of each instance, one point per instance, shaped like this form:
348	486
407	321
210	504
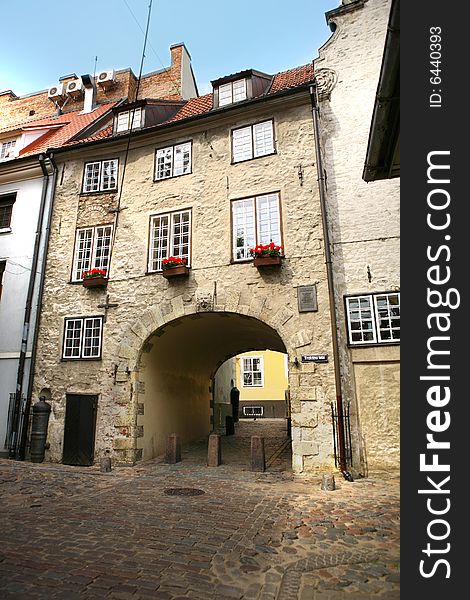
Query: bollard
328	482
173	449
229	425
258	462
41	412
105	463
214	451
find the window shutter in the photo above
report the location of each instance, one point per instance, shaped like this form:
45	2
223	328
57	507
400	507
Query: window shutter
263	138
242	144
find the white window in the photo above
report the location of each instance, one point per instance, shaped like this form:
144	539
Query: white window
124	120
170	235
7	149
373	318
252	141
255	221
100	176
234	91
252	374
253	411
92	250
83	337
173	161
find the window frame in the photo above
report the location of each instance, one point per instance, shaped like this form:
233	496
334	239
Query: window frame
260	407
173	146
83	319
377	339
73	279
252	126
233	259
128	111
100	190
8	199
170	214
243	370
11	143
3	268
231	84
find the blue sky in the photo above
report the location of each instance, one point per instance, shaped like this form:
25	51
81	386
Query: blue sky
44	41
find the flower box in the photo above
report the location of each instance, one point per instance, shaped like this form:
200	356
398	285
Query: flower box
267	261
174	266
89	282
178	271
95	278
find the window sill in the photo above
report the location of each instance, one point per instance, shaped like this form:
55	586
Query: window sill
93	358
172	177
98	193
5	230
373	344
237	162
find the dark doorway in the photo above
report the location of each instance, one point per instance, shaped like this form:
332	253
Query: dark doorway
79	433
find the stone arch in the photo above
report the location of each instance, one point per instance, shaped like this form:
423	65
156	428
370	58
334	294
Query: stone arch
137	332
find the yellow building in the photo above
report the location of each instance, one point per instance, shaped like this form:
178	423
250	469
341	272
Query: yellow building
262	380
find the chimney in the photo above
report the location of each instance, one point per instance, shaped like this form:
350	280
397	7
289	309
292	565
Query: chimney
89	102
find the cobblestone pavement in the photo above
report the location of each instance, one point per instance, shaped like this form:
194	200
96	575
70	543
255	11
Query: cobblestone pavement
74	533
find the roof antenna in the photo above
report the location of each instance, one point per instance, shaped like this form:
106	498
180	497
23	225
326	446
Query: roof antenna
94	68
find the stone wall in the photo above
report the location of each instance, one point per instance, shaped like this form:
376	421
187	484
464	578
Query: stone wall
363	217
265	302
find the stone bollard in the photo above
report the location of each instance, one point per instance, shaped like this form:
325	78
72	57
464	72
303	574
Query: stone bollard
214	452
229	425
328	482
258	462
105	464
173	449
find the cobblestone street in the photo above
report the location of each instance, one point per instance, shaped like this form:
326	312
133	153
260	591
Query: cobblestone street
75	533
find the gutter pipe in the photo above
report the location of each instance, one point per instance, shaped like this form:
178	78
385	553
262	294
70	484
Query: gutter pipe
24	432
13	442
331	294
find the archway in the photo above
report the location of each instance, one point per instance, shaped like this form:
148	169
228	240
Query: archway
175	371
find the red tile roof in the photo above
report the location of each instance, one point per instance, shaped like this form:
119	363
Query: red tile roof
292	78
192	108
63	129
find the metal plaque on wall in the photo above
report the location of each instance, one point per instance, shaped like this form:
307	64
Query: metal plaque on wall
307	298
315	358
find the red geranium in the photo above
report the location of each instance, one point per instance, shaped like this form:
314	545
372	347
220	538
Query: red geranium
270	249
94	273
173	261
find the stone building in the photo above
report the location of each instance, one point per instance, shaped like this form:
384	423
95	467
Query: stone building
204	181
31	127
129	354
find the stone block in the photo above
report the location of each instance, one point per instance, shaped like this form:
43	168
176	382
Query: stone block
258	462
173	449
214	452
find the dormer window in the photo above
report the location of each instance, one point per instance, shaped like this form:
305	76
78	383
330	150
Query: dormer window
124	119
234	91
7	149
238	87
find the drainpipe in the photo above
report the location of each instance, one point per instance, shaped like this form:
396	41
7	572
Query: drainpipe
24	431
331	292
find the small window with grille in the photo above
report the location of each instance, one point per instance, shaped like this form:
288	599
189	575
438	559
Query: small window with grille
252	374
100	176
82	338
173	161
373	318
253	411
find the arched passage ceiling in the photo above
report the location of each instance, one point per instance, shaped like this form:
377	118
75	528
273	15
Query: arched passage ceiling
203	341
